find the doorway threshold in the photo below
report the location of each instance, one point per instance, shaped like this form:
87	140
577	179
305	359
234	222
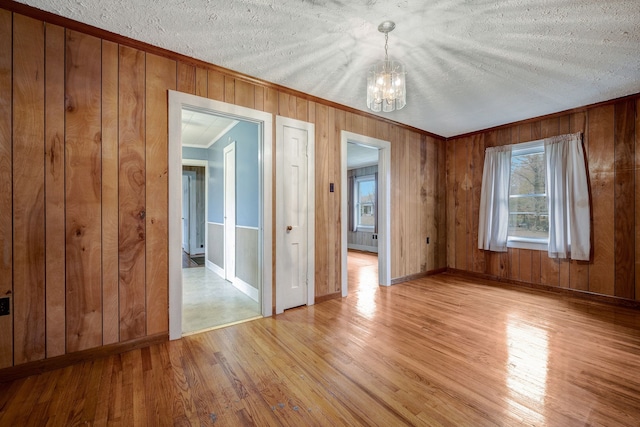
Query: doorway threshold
186	334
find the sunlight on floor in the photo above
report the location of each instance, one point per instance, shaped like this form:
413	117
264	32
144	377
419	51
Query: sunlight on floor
527	368
363	280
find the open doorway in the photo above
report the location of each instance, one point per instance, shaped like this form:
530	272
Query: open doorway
366	209
232	145
193	212
362	217
220	169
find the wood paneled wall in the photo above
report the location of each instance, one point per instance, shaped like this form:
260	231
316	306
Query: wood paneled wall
84	185
612	143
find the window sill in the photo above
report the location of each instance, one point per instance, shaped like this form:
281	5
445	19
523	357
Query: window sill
365	228
522	243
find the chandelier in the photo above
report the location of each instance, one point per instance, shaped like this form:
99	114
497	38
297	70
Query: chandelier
386	82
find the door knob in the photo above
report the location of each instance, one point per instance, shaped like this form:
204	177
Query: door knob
289	228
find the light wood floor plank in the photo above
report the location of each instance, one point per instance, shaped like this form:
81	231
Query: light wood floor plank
442	350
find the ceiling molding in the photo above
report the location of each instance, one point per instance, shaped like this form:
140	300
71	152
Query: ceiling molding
547	116
71	24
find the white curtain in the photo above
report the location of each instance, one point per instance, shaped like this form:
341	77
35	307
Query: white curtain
494	199
568	196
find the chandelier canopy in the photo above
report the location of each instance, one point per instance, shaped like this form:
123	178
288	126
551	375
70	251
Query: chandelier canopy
386	81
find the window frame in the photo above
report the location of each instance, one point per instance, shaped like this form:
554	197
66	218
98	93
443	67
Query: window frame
523	149
356	196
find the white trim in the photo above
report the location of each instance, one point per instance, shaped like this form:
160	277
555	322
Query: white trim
214	140
229	203
384	205
205	164
356	201
246	289
525	148
224	132
195	162
215	268
176	101
281	122
194	249
363	165
247	227
524	243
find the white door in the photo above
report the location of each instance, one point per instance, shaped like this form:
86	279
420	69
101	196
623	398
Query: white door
230	212
294	214
185	213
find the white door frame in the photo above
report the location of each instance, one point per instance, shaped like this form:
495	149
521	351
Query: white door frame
178	100
229	199
193	214
384	204
186	214
205	165
281	122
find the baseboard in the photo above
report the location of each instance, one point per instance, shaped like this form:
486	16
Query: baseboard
246	289
576	293
328	297
58	362
215	268
238	283
417	276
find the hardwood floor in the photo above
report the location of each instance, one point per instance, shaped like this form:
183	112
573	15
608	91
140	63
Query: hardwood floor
442	350
187	262
362	270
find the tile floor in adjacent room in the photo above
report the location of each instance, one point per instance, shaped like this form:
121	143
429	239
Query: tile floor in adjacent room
209	301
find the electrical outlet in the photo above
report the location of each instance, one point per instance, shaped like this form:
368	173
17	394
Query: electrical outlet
5	306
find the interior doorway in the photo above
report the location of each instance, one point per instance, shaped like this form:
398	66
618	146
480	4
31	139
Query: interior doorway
194	173
362	271
381	204
255	271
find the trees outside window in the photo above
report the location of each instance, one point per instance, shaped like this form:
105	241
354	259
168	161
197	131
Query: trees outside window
528	208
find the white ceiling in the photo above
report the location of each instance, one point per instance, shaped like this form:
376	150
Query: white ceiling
359	156
201	130
471	64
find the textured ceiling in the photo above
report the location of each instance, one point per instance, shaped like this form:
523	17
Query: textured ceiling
471	64
201	130
359	156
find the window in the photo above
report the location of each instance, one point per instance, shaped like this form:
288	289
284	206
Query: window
528	207
365	196
515	210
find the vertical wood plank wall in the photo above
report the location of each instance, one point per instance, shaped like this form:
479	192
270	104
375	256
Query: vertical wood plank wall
84	186
611	139
6	182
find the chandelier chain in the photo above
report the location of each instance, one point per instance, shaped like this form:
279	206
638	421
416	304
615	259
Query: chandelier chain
386	46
